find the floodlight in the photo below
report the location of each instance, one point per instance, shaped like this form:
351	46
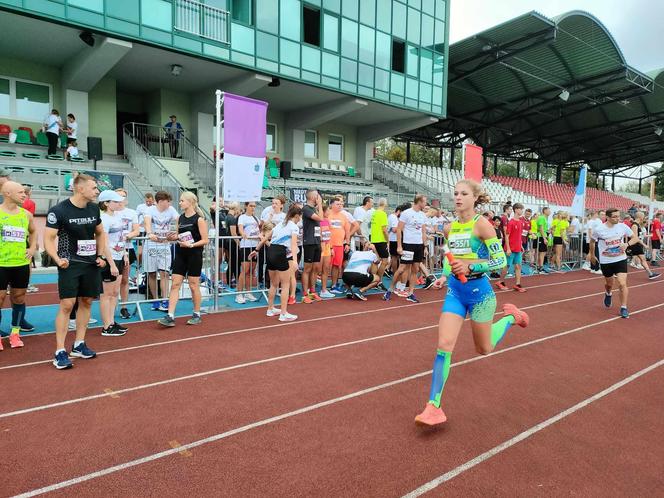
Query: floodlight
275	82
87	38
176	69
564	95
658	131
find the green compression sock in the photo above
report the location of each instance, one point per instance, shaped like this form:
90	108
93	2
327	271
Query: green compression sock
500	328
441	370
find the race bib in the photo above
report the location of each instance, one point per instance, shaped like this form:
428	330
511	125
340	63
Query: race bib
86	248
407	255
326	235
336	224
13	234
186	237
459	243
252	231
316	231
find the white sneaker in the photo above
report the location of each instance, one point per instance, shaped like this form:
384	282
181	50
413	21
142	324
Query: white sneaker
250	297
632	264
586	266
596	272
272	312
326	294
92	321
239	299
287	317
72	325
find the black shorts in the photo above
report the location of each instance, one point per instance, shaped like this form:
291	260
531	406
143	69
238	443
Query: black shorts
611	269
106	271
586	247
16	277
418	253
132	255
79	280
244	252
541	245
557	241
311	253
353	278
636	250
656	244
381	249
393	248
188	262
277	258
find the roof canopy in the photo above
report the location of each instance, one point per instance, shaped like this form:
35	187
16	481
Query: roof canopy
558	89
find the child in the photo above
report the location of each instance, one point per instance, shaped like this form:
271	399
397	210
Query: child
72	151
326	252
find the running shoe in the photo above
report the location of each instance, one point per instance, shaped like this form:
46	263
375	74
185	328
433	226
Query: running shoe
167	321
15	341
349	295
420	281
501	286
654	263
326	294
586	266
607	300
272	312
412	299
111	331
518	288
72	325
62	361
195	320
121	328
509	275
26	326
388	273
82	351
163	306
596	272
291	300
314	296
92	321
155	306
307	300
358	295
250	297
521	318
287	317
387	296
239	299
623	312
124	313
431	416
652	276
401	292
337	289
381	287
429	281
31	289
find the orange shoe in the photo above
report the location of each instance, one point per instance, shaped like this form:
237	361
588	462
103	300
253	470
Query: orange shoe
305	300
15	341
1	348
518	288
521	317
431	416
501	286
315	296
291	300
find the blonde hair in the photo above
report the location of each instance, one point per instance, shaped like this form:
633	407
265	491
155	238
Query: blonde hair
191	197
481	196
267	227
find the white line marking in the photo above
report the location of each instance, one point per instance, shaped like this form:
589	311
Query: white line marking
264	327
434	483
300	411
141	387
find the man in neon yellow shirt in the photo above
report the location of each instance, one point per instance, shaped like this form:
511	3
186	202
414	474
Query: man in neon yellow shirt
379	236
542	237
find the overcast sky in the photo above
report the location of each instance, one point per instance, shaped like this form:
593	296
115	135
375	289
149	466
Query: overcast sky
636	25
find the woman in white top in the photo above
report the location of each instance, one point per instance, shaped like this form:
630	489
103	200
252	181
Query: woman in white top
282	262
72	128
248	227
52	126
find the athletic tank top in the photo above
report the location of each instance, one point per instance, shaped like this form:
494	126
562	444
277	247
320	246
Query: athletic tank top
188	230
13	238
463	242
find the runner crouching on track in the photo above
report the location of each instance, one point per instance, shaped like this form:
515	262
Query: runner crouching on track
362	271
281	262
19	243
191	236
477	251
80	254
609	238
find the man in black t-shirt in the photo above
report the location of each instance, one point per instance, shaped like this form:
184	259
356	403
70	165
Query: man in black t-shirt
81	252
312	214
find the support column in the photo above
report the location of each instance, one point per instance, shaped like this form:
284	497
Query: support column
495	165
440	158
640	184
538	169
559	173
452	151
518	168
76	103
294	148
574	172
484	161
613	181
408	151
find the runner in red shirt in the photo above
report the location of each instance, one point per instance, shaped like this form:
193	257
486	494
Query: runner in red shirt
514	248
656	238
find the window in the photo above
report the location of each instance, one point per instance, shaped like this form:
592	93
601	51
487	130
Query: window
310	143
311	25
28	100
398	55
335	148
271	138
331	32
242	10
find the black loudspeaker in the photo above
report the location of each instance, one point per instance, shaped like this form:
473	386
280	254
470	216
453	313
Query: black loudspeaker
286	168
94	148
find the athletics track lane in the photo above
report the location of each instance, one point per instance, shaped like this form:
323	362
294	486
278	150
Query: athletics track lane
184	417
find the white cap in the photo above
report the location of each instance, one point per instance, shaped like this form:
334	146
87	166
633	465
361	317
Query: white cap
110	195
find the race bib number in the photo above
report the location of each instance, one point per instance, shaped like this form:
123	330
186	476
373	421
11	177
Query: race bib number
86	248
252	231
459	243
326	235
13	234
407	255
336	224
186	237
316	231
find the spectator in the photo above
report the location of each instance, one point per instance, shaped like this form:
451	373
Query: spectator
248	228
72	151
53	126
71	129
131	230
340	229
312	216
174	133
362	272
230	244
379	238
140	213
4	177
632	210
273	214
363	215
325	252
656	238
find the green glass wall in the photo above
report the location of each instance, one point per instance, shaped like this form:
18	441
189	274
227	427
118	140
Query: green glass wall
354	55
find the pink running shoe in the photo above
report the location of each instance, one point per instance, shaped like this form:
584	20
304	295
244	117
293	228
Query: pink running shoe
15	341
431	416
521	317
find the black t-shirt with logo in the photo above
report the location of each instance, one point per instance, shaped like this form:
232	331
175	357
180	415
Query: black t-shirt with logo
310	227
76	230
188	232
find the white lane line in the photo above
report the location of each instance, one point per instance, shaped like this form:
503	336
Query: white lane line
275	325
434	483
300	411
117	392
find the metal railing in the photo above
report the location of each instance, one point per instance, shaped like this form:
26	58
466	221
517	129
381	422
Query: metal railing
202	20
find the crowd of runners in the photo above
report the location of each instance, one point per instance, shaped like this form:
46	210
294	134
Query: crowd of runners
317	249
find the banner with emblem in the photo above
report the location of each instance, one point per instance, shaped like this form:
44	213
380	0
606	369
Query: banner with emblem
244	148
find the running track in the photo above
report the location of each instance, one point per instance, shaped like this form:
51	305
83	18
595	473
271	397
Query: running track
246	406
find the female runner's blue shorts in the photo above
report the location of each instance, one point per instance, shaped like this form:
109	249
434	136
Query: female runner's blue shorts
476	297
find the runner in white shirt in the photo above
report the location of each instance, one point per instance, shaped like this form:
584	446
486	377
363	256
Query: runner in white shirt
610	239
392	223
140	212
595	221
362	272
160	222
272	214
362	214
131	230
248	228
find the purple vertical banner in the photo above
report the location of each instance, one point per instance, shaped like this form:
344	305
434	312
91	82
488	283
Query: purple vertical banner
244	148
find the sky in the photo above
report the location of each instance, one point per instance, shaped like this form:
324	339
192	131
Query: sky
636	25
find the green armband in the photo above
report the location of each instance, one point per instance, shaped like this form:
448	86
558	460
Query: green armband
496	261
447	269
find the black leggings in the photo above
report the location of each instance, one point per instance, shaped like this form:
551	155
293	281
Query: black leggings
52	142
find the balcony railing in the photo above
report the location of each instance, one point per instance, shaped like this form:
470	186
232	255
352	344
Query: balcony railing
202	20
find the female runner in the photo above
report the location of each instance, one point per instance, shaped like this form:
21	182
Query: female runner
477	251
